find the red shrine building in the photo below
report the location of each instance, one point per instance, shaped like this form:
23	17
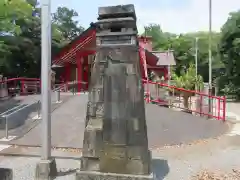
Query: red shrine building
73	62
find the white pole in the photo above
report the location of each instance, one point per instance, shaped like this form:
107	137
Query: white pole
210	54
169	68
196	60
45	79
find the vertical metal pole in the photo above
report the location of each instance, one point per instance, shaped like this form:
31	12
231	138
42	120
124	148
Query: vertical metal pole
169	68
210	56
196	61
6	127
58	96
38	109
45	77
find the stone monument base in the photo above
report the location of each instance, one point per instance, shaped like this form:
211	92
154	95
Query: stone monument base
46	169
6	174
93	175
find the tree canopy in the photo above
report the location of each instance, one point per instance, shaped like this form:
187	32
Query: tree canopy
230	55
20	38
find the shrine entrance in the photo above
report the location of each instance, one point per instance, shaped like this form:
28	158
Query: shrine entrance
73	63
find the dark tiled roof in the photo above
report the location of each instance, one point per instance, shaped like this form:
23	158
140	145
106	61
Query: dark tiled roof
165	58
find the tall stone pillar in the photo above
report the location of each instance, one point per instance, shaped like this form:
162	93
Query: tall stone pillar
115	139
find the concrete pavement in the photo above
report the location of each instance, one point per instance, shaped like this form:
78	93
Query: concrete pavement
165	126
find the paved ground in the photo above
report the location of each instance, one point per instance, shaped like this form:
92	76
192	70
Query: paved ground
26	118
16	101
232	109
165	126
20	100
169	163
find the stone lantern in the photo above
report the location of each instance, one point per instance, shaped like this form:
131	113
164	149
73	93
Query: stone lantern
3	88
53	78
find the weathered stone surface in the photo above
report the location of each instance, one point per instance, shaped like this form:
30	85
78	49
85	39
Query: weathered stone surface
6	174
92	143
116	11
115	137
90	175
90	164
46	169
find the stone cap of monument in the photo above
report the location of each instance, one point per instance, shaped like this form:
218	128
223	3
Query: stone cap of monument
116	11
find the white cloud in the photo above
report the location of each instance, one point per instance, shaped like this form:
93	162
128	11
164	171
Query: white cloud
193	17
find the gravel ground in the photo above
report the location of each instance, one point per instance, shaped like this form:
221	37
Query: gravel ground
24	168
169	163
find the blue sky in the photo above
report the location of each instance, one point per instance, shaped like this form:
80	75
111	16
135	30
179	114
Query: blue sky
177	16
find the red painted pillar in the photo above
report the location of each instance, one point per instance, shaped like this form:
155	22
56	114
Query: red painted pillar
142	55
79	72
85	73
165	73
67	72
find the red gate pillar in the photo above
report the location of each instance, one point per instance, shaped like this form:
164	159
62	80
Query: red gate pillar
79	72
165	74
67	73
85	73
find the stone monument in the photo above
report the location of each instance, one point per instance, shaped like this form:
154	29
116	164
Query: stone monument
3	88
115	142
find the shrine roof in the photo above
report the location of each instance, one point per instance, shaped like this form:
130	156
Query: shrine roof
164	58
86	42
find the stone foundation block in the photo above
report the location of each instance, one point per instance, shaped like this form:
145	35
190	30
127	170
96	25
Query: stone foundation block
46	170
90	175
6	174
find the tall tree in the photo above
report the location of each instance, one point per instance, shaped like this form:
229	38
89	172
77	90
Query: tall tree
10	11
183	46
63	18
160	38
230	54
22	52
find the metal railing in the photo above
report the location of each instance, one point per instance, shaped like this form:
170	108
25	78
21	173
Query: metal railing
187	100
72	86
22	86
16	116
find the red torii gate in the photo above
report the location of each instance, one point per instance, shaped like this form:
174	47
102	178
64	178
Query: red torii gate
76	58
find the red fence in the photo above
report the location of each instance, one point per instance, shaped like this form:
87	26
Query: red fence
23	86
162	94
72	86
186	100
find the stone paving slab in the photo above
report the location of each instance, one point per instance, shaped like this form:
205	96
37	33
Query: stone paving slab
165	126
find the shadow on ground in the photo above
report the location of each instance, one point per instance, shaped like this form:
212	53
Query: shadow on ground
160	169
66	173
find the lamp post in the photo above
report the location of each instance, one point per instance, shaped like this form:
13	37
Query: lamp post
47	166
45	77
196	60
210	56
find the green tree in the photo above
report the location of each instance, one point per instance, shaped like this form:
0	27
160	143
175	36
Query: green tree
183	46
229	50
22	52
63	18
160	39
10	11
187	80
